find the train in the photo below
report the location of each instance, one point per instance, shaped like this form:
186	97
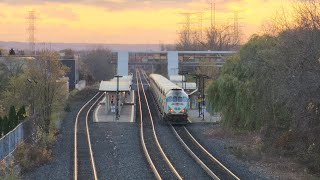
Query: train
173	102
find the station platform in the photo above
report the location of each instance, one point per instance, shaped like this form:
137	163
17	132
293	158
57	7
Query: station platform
126	111
208	118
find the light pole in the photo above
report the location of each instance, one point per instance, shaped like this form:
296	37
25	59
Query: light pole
203	96
31	81
117	107
197	77
200	81
183	73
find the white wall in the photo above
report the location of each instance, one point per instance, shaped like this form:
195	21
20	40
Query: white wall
123	59
173	63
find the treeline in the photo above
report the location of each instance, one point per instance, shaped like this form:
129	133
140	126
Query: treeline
36	84
13	119
273	86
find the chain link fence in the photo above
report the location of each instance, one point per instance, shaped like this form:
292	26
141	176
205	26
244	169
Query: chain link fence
24	132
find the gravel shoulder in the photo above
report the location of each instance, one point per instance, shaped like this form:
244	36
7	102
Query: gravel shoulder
237	151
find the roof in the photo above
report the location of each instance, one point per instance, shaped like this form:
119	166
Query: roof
111	86
176	78
123	79
164	84
188	85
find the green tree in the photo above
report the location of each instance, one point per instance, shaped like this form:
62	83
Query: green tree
21	114
6	128
1	126
97	63
246	91
17	92
12	118
46	70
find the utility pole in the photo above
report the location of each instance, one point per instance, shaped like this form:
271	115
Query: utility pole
117	107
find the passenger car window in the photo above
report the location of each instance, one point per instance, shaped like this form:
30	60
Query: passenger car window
169	99
180	99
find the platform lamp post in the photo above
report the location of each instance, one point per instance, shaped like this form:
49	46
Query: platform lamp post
183	73
32	82
117	107
203	77
197	77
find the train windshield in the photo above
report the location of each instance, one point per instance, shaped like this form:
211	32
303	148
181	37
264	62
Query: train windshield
169	99
175	99
180	99
185	99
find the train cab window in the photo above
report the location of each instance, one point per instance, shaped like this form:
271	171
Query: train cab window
175	99
179	99
169	99
185	99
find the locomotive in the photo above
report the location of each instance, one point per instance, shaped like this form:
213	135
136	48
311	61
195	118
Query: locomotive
172	101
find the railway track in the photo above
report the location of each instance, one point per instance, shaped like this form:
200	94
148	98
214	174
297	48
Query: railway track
211	165
84	164
156	157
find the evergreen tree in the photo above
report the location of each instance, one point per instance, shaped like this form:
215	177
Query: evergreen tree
21	114
5	125
12	118
1	126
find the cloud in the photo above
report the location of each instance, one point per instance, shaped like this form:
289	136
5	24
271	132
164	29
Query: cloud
113	5
59	13
2	15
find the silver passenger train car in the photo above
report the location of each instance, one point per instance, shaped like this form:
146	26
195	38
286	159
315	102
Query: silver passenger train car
173	102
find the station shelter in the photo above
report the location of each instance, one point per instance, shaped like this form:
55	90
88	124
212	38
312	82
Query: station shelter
110	89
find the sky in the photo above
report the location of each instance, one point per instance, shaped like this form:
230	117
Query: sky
127	21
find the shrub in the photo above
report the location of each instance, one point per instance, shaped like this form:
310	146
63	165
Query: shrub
30	156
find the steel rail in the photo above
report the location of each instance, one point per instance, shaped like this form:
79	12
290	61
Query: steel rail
75	137
210	155
144	147
89	139
156	138
194	156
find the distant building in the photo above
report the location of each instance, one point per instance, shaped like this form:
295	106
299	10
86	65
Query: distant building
72	73
12	61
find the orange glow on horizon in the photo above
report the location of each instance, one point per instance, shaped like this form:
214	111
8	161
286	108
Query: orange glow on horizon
147	23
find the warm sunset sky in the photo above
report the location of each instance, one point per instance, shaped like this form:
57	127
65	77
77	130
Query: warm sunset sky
124	21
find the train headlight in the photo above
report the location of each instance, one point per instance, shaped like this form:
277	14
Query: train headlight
182	110
171	110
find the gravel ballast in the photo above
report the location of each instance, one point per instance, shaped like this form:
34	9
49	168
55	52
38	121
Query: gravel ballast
118	154
61	165
218	149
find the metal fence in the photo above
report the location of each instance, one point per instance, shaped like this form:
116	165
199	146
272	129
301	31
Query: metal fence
25	131
9	142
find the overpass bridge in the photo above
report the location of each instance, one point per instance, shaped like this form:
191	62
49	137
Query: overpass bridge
174	59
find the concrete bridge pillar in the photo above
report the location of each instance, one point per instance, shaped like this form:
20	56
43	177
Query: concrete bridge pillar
123	60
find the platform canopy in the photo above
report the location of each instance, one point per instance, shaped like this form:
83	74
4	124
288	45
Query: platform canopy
123	79
111	86
188	85
176	78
